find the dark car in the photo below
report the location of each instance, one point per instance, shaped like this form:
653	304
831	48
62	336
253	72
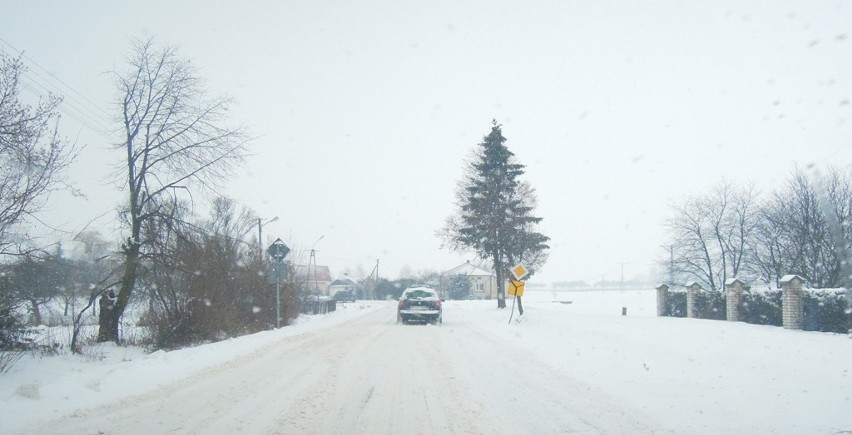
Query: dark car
419	304
344	296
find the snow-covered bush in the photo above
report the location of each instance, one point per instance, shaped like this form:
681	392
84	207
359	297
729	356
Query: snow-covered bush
710	305
761	307
676	304
825	310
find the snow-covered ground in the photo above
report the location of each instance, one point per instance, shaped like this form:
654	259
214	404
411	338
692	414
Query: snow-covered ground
563	367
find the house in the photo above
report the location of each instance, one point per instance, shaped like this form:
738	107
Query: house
314	279
345	284
483	284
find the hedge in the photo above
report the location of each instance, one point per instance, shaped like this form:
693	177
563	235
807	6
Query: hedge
824	310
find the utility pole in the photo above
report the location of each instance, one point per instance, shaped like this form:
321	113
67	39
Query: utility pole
671	264
374	277
622	275
313	259
624	305
377	278
260	225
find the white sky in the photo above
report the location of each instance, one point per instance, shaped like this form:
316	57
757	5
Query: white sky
365	110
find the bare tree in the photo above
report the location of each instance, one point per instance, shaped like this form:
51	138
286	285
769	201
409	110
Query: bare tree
209	283
738	226
37	281
796	236
711	234
766	250
96	270
32	156
694	253
175	139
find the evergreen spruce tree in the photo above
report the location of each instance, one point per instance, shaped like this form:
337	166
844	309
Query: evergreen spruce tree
459	287
494	218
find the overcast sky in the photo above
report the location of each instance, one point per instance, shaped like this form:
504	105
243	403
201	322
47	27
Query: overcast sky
365	111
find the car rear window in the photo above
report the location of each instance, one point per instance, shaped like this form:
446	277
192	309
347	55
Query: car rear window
419	294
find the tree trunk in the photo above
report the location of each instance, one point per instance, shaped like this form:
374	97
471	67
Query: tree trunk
105	330
501	286
36	312
112	310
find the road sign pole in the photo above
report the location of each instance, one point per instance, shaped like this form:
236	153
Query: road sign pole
278	250
278	302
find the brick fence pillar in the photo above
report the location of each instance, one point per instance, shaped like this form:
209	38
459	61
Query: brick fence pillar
662	299
733	296
792	304
692	290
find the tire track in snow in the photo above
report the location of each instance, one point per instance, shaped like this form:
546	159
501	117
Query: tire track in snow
369	375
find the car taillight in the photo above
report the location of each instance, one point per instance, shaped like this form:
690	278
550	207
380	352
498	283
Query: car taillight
401	303
437	305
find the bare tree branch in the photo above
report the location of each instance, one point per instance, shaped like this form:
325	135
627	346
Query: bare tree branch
175	142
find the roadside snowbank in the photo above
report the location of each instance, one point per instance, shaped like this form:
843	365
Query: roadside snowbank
686	375
41	388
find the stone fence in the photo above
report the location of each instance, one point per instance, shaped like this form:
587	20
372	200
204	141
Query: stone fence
792	299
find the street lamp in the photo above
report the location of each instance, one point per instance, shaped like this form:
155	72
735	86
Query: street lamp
260	225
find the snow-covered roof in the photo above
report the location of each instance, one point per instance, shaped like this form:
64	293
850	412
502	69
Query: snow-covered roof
344	281
467	269
731	281
788	278
692	283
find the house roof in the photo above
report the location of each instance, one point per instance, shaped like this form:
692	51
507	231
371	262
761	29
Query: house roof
344	281
467	269
788	278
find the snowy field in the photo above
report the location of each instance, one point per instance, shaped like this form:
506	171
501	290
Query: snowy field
608	373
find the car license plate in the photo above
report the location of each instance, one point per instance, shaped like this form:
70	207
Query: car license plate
419	308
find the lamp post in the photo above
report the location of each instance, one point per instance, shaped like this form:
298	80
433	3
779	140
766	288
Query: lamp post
260	225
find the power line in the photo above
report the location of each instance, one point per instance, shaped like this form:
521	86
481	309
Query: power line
92	105
69	108
83	110
79	117
44	84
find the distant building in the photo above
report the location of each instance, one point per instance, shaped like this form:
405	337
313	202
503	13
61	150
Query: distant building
345	284
313	279
483	284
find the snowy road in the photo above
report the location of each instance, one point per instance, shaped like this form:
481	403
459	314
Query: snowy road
369	375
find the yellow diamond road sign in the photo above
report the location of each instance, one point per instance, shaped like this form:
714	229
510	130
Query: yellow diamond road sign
520	271
516	288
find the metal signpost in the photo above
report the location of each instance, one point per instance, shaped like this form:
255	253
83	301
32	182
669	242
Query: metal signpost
516	288
278	250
